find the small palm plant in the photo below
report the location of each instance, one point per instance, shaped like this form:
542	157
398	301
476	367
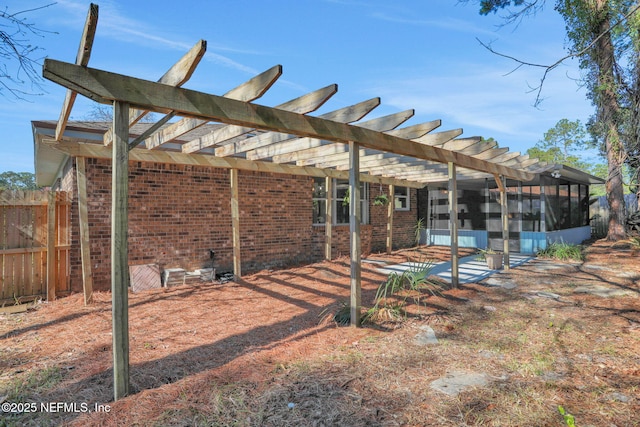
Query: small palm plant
392	294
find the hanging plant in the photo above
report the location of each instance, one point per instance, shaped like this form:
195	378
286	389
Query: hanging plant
381	200
345	200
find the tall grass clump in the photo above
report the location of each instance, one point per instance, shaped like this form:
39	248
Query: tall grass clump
392	294
562	251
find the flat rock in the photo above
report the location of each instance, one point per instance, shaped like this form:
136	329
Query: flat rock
618	397
427	336
603	291
546	266
545	294
542	294
455	382
628	275
500	283
596	267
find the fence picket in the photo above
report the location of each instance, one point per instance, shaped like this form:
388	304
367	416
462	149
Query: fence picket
23	244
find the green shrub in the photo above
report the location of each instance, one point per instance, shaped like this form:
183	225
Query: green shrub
562	251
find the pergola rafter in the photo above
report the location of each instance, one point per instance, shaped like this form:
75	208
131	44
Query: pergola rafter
248	91
269	139
301	105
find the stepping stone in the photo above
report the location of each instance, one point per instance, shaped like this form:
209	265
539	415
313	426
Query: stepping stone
546	266
550	295
618	397
542	294
455	382
596	267
500	283
628	275
603	291
427	336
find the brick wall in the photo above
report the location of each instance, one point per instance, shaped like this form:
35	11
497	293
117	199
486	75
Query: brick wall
178	212
403	221
340	240
68	183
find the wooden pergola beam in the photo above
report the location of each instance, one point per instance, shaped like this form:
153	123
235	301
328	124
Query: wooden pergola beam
106	87
75	148
82	59
177	75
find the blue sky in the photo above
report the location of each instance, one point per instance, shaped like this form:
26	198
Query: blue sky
417	54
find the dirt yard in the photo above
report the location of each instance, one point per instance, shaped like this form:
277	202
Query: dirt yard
265	351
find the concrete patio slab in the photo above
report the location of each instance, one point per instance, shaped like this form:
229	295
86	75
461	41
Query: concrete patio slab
471	269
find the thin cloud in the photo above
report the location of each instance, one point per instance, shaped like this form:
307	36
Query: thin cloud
116	26
457	25
485	102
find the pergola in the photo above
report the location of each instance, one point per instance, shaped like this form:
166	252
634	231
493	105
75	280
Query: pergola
284	139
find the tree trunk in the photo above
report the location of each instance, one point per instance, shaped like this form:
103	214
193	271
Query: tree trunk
604	57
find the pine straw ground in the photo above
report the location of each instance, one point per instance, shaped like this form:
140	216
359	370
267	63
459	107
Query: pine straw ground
264	351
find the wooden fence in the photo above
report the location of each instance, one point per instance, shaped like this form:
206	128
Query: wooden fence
599	214
34	245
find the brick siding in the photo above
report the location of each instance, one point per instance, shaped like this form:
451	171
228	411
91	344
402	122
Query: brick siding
177	213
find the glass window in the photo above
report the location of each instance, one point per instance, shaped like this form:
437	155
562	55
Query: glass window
339	202
401	199
319	201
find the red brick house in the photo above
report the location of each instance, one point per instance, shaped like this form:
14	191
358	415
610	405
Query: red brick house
178	213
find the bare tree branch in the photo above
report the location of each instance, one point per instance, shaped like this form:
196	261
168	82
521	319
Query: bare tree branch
549	68
19	65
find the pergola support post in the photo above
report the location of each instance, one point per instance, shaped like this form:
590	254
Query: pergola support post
390	208
453	223
52	238
83	219
328	214
354	232
235	223
120	249
504	214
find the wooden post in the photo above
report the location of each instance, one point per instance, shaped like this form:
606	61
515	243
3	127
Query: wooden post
120	249
505	222
504	214
328	214
390	208
354	231
51	246
543	208
83	217
453	223
235	223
